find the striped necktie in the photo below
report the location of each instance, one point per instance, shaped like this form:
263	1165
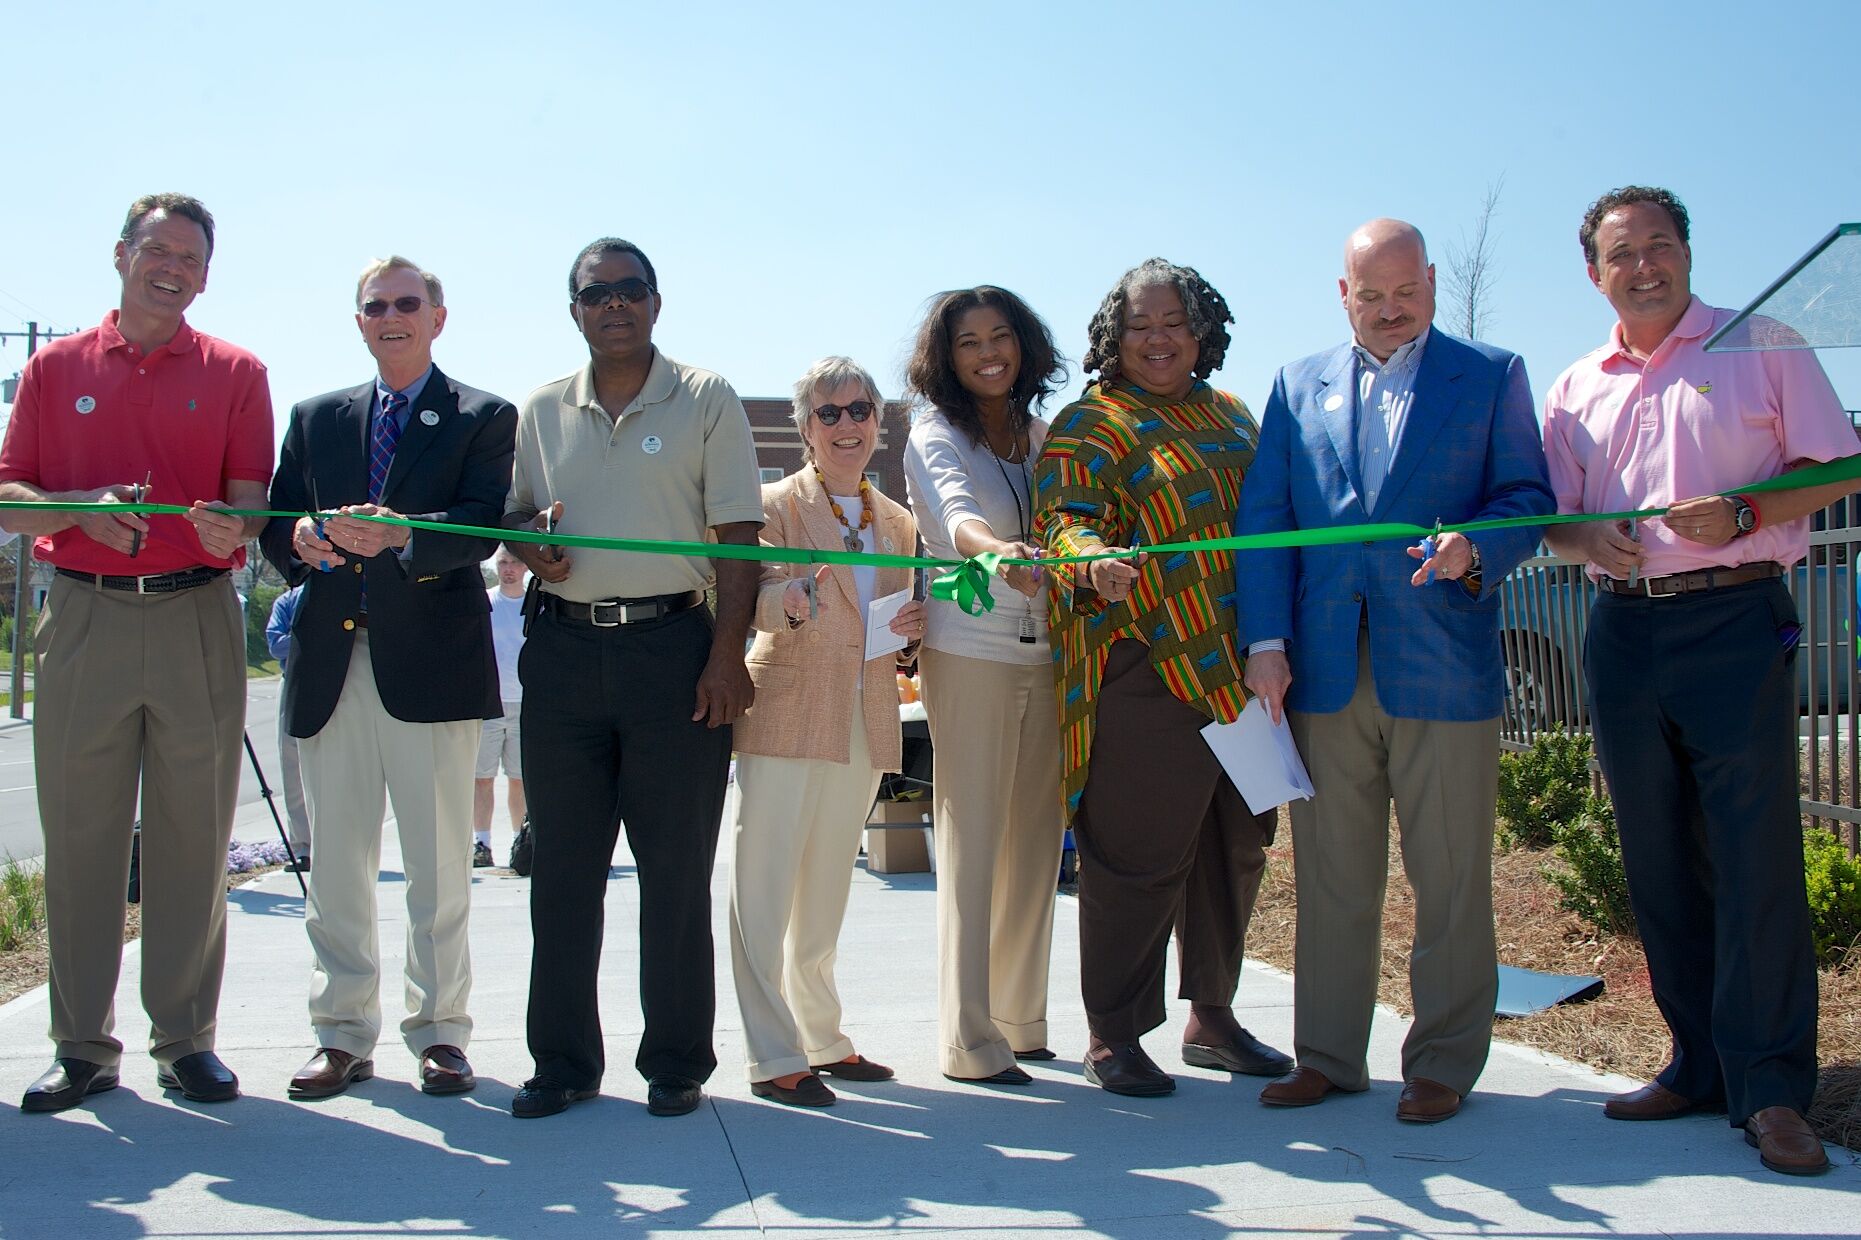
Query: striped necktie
387	433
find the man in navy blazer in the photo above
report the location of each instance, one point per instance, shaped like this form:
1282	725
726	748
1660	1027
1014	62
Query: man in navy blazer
391	672
1389	669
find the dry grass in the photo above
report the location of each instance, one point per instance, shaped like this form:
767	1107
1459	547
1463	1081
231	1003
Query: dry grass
1620	1030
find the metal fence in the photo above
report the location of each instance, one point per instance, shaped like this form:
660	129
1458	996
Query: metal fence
1545	608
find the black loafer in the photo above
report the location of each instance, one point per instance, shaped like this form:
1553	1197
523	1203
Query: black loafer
1129	1071
1245	1054
1039	1054
200	1077
669	1094
545	1095
859	1068
69	1082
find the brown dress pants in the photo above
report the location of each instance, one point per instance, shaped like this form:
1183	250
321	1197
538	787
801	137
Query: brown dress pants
149	688
1164	841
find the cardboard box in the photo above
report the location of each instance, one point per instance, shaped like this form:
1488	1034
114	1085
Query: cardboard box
898	837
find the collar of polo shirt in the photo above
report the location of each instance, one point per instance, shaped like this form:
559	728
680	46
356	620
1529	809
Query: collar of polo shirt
660	382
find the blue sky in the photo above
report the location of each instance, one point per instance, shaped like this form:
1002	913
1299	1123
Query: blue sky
804	175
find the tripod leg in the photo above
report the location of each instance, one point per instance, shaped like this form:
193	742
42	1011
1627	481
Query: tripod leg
264	790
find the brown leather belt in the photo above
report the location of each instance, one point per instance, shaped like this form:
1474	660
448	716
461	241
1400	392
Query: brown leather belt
612	613
1694	582
160	583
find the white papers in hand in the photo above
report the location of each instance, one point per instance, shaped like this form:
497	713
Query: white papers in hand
1260	757
880	640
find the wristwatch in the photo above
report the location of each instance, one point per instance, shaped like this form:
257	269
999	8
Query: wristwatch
1744	516
1473	552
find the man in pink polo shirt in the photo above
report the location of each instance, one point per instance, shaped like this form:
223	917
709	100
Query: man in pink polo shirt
141	650
1690	659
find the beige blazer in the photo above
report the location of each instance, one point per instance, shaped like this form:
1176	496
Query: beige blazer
804	676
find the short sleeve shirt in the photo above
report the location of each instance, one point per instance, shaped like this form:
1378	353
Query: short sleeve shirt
676	461
94	410
1622	434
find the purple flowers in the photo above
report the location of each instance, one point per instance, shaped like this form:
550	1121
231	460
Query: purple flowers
242	858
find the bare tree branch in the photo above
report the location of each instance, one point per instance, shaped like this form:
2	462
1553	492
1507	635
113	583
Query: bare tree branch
1472	271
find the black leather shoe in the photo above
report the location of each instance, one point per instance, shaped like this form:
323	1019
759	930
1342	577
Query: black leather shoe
667	1094
809	1091
200	1077
1010	1075
1039	1054
1128	1070
1245	1054
299	866
68	1083
545	1095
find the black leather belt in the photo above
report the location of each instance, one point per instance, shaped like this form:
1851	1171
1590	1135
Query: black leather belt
1694	582
612	613
160	583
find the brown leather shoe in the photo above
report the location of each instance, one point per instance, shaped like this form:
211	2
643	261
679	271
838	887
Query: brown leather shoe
1302	1087
329	1072
1426	1102
445	1070
809	1091
1785	1142
1652	1101
858	1068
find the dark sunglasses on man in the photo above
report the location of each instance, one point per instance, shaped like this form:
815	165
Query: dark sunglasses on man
629	292
376	307
859	411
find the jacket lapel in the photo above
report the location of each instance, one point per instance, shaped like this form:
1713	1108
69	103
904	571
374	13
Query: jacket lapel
1436	393
896	537
1337	407
346	479
436	397
823	529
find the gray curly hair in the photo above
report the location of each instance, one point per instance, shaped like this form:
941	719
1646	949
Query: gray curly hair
824	376
1207	310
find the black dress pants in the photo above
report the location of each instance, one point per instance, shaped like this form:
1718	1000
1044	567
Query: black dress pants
608	738
1165	842
1695	703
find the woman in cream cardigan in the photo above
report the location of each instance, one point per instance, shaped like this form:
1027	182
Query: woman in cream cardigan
812	748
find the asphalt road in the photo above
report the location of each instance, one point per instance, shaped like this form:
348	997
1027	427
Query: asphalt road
20	836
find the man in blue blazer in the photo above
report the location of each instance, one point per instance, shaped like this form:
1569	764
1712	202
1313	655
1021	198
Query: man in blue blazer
1390	669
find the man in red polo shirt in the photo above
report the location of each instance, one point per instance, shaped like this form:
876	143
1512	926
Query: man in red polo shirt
141	666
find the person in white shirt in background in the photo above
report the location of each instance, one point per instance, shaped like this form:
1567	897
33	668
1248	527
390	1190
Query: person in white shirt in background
502	738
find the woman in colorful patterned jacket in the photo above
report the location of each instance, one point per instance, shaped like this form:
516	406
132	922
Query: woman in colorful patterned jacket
1145	656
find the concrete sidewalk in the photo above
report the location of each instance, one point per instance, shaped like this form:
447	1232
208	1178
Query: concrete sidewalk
1530	1155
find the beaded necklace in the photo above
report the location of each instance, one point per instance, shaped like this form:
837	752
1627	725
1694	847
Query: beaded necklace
852	535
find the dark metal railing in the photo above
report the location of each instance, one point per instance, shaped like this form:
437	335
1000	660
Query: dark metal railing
1544	610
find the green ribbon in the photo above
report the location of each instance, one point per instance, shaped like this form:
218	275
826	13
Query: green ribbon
966	582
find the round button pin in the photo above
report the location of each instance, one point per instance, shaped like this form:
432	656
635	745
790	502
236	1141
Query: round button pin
429	418
86	404
651	445
1333	403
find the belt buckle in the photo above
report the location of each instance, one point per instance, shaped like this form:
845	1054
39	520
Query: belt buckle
142	584
594	615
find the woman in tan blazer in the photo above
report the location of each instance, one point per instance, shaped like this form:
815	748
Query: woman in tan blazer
812	748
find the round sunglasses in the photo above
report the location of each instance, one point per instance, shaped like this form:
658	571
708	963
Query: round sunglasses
828	415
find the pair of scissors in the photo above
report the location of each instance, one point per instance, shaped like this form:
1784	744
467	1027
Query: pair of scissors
1428	546
323	566
138	493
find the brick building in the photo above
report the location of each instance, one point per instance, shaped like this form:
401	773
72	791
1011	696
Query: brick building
778	443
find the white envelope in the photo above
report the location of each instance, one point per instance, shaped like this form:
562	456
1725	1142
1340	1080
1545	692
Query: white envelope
1260	757
880	640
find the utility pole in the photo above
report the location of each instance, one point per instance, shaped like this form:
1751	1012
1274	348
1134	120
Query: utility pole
17	708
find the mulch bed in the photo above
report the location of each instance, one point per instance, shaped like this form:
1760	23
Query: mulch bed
1619	1031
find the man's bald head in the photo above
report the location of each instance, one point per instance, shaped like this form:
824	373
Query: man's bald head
1388	287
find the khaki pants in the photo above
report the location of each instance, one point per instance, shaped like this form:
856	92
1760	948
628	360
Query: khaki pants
149	686
995	728
1444	778
798	827
362	758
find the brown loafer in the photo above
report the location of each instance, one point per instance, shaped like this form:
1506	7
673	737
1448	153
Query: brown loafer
445	1070
1652	1101
1785	1143
809	1091
1426	1102
329	1072
858	1068
1302	1087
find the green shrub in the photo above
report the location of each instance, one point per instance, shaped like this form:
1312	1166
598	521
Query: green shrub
22	906
1543	789
1834	882
258	615
1591	882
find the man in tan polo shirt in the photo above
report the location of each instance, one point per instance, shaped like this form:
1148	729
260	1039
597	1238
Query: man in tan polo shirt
629	684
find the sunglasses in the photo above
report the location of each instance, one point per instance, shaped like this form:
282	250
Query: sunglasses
375	307
628	291
859	411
